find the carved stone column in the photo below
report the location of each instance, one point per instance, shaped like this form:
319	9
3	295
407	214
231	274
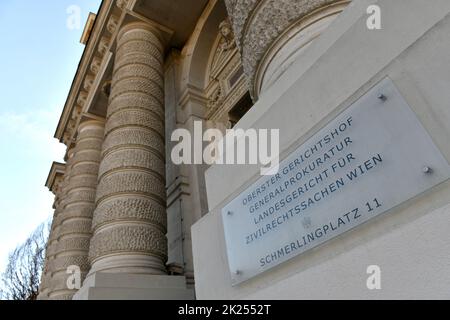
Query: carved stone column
73	231
129	223
271	33
55	177
46	278
52	243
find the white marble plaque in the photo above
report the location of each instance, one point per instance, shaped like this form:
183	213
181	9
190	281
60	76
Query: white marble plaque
372	157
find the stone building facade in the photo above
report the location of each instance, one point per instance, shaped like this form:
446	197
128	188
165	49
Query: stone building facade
139	227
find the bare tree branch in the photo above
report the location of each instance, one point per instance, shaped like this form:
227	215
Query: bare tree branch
22	275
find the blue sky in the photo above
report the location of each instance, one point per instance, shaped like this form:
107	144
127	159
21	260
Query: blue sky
38	59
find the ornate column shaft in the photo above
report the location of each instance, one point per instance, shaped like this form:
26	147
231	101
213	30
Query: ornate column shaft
46	277
52	243
129	223
269	33
73	232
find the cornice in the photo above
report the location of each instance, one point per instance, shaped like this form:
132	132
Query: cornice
104	30
56	173
88	28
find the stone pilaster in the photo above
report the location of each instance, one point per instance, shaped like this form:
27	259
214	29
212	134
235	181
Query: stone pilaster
259	24
73	229
129	224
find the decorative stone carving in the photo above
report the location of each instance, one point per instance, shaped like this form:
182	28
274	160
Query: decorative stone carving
103	45
122	4
139	239
46	277
52	244
135	117
82	98
258	24
88	82
127	158
64	262
224	62
112	24
227	37
227	84
122	102
130	220
74	222
95	66
224	50
216	99
67	138
239	11
138	209
71	124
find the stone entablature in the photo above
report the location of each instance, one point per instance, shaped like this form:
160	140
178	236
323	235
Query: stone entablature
89	76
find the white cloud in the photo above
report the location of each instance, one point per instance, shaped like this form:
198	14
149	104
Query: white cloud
35	128
28	149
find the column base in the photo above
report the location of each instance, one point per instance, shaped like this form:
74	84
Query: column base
123	286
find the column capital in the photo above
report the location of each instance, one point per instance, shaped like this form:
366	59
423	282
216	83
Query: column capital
133	20
90	123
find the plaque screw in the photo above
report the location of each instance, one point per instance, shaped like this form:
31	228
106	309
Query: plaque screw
427	169
306	222
230	213
237	272
382	97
